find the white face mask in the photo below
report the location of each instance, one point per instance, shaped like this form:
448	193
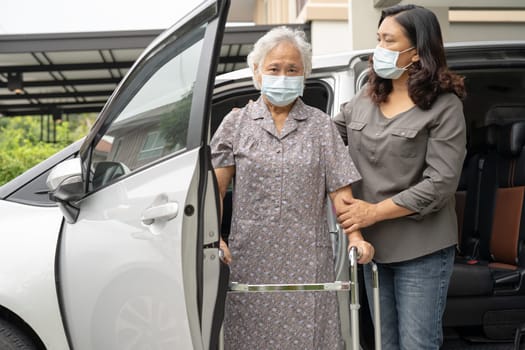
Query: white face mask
282	90
385	63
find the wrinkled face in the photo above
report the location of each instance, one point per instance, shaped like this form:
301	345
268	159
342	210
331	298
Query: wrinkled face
391	36
284	59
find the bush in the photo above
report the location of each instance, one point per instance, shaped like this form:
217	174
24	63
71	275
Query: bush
14	162
21	147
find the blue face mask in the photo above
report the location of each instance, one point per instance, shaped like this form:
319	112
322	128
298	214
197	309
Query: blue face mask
385	63
282	90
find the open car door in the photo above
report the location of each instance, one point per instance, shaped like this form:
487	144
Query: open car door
138	260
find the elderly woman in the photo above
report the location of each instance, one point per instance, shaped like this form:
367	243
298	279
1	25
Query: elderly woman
286	157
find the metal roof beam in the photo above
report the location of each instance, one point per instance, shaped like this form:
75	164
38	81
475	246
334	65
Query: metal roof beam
68	66
77	41
250	34
105	93
4	107
49	109
41	83
232	59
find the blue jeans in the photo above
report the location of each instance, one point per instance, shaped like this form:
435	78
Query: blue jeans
412	297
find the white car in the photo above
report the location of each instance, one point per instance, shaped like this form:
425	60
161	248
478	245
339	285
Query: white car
122	252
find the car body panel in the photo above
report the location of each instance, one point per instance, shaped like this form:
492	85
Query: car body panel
27	271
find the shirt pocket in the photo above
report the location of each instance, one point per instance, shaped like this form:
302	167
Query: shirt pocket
355	131
405	142
308	156
247	147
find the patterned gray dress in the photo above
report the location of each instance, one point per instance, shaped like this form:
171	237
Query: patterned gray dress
279	232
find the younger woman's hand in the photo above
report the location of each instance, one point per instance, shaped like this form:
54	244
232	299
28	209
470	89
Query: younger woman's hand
356	214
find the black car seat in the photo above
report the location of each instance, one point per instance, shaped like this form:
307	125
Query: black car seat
489	291
475	197
500	228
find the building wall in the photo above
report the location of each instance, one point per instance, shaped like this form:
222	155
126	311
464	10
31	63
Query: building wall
460	20
330	37
486	31
274	12
341	25
330	30
328	18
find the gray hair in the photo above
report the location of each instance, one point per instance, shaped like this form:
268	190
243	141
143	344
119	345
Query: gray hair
273	38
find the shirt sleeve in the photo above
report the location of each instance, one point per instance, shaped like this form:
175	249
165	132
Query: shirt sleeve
446	149
340	121
339	168
222	143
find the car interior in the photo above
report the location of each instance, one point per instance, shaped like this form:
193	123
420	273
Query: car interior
486	299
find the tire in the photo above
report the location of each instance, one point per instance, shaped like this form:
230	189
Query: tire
11	338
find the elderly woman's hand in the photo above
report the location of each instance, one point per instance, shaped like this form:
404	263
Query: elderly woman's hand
227	255
365	250
356	214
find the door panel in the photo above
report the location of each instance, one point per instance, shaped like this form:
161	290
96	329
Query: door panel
138	269
123	280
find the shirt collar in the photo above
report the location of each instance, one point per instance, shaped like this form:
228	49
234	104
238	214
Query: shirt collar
260	110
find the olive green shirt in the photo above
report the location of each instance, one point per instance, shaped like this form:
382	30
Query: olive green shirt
415	158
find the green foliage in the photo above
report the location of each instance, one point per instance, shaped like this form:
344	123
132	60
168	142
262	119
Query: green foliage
26	141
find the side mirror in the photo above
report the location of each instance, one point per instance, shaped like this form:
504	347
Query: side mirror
107	171
66	187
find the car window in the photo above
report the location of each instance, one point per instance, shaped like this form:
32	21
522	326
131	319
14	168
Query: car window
154	123
361	68
316	94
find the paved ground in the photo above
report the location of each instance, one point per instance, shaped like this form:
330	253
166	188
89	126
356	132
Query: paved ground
460	345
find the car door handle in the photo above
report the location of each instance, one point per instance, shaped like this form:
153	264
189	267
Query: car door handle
163	212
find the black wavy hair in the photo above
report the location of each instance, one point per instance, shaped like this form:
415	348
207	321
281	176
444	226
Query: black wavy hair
429	77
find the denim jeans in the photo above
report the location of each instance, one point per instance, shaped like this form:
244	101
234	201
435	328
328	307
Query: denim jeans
412	300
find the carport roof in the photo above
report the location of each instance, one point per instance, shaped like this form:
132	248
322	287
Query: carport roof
71	73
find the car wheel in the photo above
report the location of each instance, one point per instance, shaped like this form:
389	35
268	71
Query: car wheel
11	338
